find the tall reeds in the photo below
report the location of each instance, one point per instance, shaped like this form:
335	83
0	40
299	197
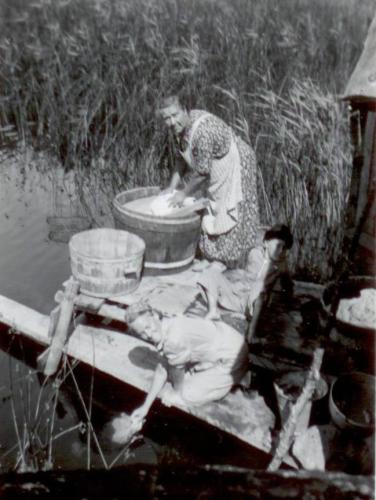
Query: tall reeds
82	78
41	415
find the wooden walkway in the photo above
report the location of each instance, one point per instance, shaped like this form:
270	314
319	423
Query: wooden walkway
112	350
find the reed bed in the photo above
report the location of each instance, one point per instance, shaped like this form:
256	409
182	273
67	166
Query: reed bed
39	409
82	78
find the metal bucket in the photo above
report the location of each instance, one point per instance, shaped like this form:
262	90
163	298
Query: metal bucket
106	262
352	402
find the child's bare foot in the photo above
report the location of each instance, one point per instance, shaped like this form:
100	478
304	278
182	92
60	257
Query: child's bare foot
171	398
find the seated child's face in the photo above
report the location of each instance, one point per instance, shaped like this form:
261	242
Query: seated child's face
275	249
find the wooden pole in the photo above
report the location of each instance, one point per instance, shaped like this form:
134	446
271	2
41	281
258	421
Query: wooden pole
286	435
188	482
61	332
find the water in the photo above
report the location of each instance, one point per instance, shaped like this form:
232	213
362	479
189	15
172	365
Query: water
40	206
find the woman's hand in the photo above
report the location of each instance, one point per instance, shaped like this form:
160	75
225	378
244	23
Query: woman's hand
167	190
177	199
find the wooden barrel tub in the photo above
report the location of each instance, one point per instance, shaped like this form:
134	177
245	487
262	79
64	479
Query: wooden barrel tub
106	262
171	242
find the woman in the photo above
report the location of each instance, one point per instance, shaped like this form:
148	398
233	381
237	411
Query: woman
211	151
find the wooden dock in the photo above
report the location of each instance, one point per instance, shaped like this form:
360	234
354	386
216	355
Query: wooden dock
133	361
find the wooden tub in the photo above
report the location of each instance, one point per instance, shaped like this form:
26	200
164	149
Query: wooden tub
106	262
171	242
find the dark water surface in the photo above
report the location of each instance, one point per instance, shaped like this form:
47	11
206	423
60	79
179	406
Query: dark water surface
43	424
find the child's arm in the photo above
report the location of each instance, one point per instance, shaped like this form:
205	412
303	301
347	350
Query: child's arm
255	263
159	380
209	282
256	311
212	302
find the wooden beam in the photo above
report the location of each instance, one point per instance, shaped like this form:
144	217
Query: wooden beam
286	435
60	334
24	320
174	481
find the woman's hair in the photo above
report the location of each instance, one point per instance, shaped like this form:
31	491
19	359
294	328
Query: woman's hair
170	100
280	232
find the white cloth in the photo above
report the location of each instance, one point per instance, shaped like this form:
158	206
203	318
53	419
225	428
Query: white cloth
213	354
225	191
161	204
230	295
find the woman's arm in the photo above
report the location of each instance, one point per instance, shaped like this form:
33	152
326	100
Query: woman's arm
194	184
177	175
191	188
174	182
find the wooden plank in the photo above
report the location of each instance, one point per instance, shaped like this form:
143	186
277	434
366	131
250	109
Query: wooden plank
365	182
88	303
286	435
62	327
109	311
126	358
24	319
133	361
188	482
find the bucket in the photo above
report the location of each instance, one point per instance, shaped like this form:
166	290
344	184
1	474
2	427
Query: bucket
352	402
288	388
171	242
350	289
106	262
348	296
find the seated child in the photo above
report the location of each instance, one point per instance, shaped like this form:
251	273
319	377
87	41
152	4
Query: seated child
218	290
268	267
266	271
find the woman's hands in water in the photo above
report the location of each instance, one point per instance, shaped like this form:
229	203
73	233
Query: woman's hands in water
177	199
167	190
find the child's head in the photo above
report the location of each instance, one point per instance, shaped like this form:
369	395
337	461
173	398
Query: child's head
277	240
144	321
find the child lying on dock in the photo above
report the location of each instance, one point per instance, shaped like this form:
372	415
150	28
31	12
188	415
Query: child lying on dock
202	359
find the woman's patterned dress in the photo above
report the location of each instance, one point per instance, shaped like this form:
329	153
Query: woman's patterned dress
212	139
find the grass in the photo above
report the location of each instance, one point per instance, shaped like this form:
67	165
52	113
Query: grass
81	79
47	415
38	413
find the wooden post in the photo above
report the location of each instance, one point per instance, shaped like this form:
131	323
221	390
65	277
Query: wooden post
54	318
286	435
58	340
